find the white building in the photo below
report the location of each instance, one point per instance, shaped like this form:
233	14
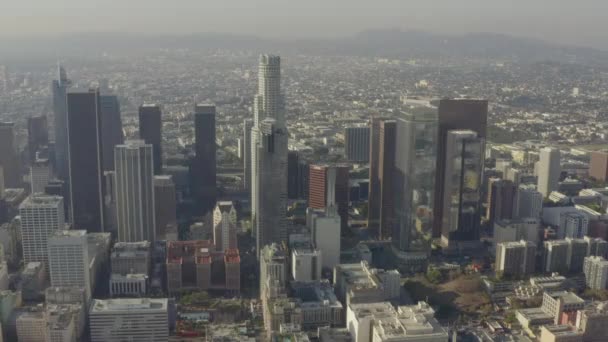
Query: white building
224	226
529	202
527	229
69	259
412	323
549	169
40	174
325	229
134	187
32	326
362	283
142	319
306	264
596	272
360	317
516	258
41	215
134	285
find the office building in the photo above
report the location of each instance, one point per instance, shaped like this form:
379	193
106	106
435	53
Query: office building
592	321
325	226
37	136
597	246
59	89
382	162
596	272
69	259
356	143
516	259
527	229
85	160
549	170
501	200
165	203
134	186
204	179
224	226
572	225
40	175
461	205
414	187
138	319
31	325
360	283
132	285
558	303
273	271
41	215
529	202
454	114
131	258
8	156
328	186
306	263
598	167
150	131
555	258
293	175
317	303
111	129
559	333
247	125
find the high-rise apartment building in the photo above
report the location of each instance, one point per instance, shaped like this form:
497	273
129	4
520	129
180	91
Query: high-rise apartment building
356	143
8	155
414	181
516	258
111	129
596	272
572	225
224	226
461	202
328	186
59	89
454	114
549	170
41	215
37	135
150	131
85	160
501	200
204	179
598	167
69	259
247	125
165	203
555	256
134	183
529	202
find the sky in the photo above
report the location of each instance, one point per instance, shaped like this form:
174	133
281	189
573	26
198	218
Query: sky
571	22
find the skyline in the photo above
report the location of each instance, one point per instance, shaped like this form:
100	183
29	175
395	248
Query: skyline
578	24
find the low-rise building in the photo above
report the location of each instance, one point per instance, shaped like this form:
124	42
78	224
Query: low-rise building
134	285
559	333
318	304
357	283
592	321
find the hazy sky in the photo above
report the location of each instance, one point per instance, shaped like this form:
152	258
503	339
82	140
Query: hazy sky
581	22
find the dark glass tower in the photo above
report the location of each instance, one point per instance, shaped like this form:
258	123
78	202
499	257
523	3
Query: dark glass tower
60	111
150	131
205	160
85	160
37	135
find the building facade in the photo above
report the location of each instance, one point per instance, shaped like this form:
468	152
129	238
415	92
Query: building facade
41	215
150	131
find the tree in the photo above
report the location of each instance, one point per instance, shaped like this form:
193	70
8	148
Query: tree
434	276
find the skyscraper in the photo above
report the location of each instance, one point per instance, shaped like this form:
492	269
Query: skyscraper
386	177
529	202
41	215
205	160
373	210
414	182
135	191
461	200
165	202
293	170
269	156
69	260
37	135
59	89
454	114
328	186
247	125
224	226
356	143
111	129
8	155
501	200
85	160
150	131
549	170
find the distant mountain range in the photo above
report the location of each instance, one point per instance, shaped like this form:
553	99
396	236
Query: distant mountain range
377	43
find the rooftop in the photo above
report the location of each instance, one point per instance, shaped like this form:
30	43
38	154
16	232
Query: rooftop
38	200
129	304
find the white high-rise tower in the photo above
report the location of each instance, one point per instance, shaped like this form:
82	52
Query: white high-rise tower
269	156
548	170
41	215
135	191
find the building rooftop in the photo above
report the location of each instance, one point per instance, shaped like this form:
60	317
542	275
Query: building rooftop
128	304
38	200
69	233
566	296
131	249
376	310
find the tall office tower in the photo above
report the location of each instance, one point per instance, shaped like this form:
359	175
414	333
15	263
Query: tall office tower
516	258
247	125
129	319
329	187
85	160
59	89
2	187
205	160
413	185
572	225
549	170
268	103
529	202
293	173
356	143
111	129
37	135
134	181
501	200
165	202
596	272
324	226
150	131
373	210
461	201
386	178
40	175
456	114
69	259
224	226
8	155
555	256
41	215
598	167
271	181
